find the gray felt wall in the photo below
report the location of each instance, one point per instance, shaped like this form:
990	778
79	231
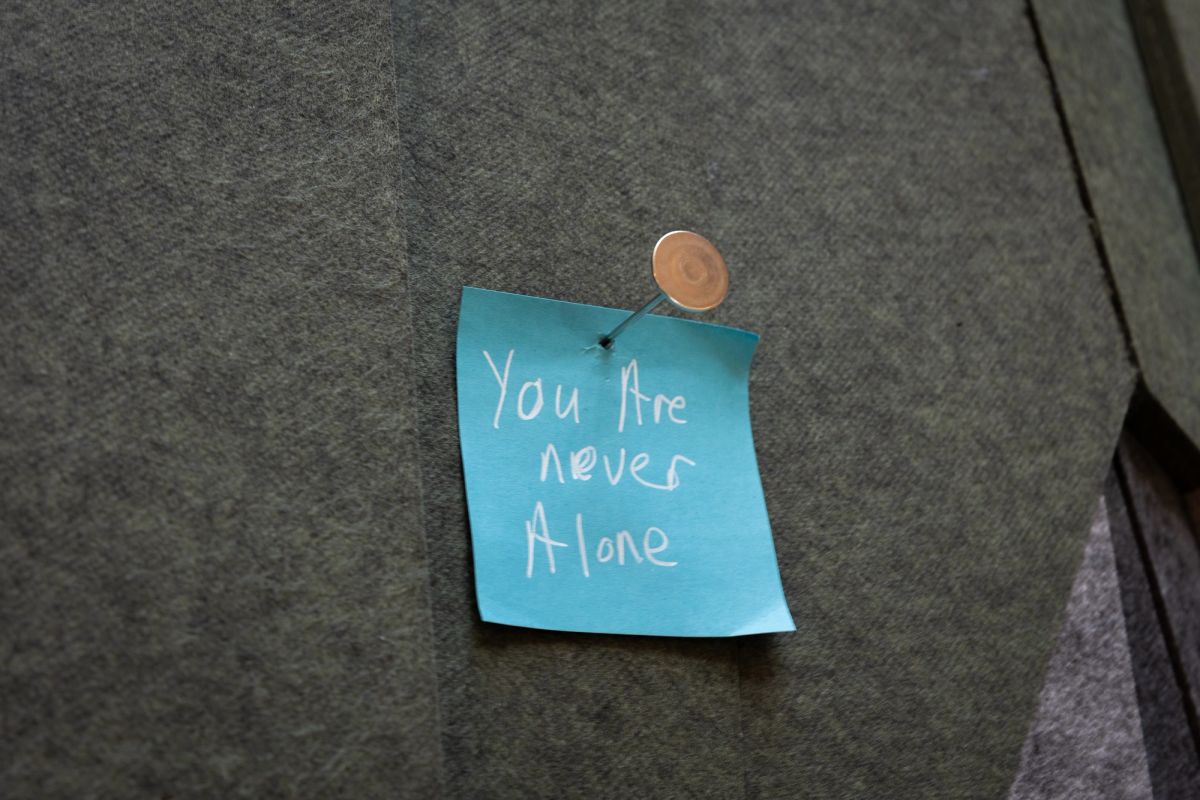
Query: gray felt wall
1140	215
212	581
234	554
1086	740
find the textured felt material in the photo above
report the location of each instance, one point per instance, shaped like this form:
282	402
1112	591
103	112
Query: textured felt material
1184	17
1130	180
211	579
1086	740
1173	552
935	398
1168	37
1171	753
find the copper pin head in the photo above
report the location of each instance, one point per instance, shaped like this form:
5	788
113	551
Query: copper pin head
690	271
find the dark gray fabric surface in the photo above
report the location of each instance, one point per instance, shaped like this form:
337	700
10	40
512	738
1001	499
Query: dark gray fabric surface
1171	754
214	440
1168	39
1086	740
935	399
211	571
1184	16
1130	180
1173	552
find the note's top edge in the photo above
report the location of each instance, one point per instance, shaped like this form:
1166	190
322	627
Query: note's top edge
467	289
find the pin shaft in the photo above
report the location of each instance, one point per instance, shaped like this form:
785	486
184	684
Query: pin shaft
607	341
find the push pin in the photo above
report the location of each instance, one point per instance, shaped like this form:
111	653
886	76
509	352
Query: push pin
690	273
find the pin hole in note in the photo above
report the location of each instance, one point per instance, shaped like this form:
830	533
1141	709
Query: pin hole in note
601	346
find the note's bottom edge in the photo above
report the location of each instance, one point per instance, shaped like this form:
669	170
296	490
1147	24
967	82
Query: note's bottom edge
775	621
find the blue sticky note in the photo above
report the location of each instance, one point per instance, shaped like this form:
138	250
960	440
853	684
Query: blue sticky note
612	491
